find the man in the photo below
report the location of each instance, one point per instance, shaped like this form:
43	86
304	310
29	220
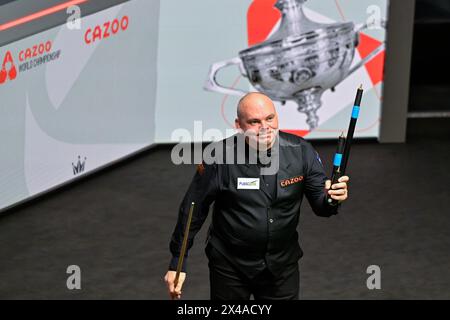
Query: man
252	244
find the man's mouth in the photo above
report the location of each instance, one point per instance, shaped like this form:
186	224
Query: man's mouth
265	134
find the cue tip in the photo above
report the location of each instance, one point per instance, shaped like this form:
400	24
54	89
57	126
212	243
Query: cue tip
360	87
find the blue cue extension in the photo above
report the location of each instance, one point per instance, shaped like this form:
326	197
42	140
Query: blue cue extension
355	112
337	159
336	174
344	144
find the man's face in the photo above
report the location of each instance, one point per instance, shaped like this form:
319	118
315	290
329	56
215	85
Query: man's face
258	119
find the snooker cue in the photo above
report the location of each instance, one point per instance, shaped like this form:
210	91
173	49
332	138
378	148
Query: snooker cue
339	171
184	245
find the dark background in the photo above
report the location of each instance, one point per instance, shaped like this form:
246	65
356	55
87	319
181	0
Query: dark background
430	65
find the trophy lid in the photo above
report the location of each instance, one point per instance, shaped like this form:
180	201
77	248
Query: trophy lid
297	29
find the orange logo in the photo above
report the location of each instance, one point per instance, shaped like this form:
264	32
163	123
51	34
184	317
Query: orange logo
109	28
8	73
35	51
287	182
201	168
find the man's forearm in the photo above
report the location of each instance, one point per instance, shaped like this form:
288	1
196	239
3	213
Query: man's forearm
322	208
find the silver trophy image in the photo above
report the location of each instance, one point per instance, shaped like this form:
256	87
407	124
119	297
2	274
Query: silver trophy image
299	61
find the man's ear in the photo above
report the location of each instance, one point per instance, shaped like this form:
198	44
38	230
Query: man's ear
236	123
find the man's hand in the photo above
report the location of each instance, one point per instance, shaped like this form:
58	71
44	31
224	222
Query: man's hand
339	190
174	293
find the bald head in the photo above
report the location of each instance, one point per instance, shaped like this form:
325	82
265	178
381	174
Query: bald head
253	100
256	115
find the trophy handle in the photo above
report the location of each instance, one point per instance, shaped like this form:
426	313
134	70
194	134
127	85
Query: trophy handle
211	83
373	53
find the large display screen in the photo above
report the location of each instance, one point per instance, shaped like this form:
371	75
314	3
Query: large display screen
76	96
309	56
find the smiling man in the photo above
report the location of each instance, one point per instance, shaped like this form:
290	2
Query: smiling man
257	117
252	244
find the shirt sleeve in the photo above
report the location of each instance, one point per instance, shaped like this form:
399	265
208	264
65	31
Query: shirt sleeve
202	191
315	183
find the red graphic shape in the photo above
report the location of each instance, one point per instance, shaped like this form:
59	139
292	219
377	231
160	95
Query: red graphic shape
374	67
12	72
300	133
262	16
40	14
3	76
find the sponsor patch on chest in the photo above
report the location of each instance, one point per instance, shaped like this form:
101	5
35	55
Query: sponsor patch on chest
290	181
248	183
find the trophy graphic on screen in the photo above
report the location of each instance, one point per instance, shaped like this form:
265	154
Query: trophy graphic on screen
299	61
